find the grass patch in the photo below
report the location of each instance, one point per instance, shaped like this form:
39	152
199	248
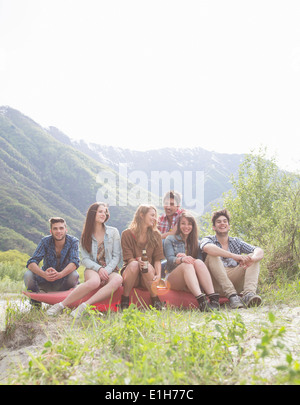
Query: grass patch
171	347
139	347
148	347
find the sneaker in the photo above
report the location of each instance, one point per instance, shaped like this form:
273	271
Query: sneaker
235	302
251	300
78	312
56	309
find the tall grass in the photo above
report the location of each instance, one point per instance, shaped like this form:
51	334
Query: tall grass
148	347
140	347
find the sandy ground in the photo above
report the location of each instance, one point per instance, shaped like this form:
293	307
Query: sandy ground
26	338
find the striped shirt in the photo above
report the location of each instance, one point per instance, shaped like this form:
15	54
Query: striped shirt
235	245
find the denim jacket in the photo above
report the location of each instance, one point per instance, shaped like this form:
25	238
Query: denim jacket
172	246
112	246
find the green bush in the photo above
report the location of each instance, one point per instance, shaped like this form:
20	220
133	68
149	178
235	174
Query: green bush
265	211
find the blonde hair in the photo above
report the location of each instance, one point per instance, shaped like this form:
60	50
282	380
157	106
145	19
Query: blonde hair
137	222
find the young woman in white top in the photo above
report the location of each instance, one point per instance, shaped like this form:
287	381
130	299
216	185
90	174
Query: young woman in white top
101	254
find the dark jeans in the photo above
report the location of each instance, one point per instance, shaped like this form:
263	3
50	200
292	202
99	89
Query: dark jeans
35	283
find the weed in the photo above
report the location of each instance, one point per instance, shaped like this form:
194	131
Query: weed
173	347
290	371
270	340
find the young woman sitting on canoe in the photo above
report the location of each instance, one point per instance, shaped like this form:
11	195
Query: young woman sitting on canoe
186	270
142	234
101	254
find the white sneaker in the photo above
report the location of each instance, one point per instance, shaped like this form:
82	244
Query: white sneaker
56	309
77	312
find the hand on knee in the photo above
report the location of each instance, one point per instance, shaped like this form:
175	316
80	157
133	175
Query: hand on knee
187	267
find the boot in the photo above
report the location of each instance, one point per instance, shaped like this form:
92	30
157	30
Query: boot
124	304
214	300
204	305
156	303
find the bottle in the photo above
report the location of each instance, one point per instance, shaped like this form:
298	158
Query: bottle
162	285
145	260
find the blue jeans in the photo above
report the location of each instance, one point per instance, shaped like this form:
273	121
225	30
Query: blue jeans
35	283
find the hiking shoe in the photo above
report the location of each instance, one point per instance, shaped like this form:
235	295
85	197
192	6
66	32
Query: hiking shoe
251	300
56	309
214	300
156	303
124	304
235	302
79	311
204	305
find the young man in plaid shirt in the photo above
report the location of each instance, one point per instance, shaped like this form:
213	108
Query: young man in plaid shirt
233	263
60	255
167	223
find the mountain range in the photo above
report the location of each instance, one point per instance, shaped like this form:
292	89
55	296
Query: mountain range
46	173
166	164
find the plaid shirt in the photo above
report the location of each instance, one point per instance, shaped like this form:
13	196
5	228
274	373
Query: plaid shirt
46	251
235	245
163	223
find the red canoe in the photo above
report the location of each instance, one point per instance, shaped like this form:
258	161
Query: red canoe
140	297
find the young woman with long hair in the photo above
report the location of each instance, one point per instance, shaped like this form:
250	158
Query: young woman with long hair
186	270
141	234
101	253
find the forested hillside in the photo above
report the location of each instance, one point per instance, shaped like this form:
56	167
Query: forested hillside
44	173
40	178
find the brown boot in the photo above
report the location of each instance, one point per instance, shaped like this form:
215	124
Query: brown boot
204	305
156	303
214	300
124	304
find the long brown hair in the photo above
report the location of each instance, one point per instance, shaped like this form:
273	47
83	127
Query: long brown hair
192	243
136	225
88	227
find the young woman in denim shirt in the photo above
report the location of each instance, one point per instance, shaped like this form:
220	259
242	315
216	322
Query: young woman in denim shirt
101	254
186	270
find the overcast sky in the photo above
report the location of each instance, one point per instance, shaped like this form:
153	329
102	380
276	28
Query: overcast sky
222	75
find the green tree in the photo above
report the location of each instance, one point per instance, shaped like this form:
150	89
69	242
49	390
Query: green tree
265	207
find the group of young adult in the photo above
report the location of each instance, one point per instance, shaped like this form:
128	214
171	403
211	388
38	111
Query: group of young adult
216	265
